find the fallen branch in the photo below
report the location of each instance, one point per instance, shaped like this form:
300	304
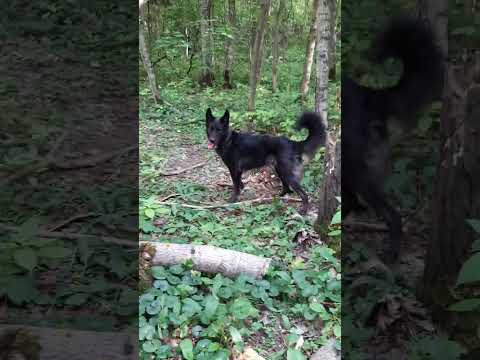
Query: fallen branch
70	220
181	171
50	163
73	236
208	259
92	161
365	226
168	197
215	206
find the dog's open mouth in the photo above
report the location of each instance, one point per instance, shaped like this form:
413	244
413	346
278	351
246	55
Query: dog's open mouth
211	145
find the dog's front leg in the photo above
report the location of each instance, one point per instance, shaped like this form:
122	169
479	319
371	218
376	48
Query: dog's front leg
237	184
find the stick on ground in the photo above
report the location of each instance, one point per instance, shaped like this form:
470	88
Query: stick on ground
73	236
181	171
215	206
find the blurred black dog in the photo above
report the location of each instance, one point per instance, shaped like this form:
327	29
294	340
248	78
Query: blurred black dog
241	152
365	112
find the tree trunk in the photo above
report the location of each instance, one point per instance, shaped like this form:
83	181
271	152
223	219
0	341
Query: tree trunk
275	46
208	259
256	62
322	45
152	81
435	14
331	186
333	39
206	42
229	49
456	190
312	36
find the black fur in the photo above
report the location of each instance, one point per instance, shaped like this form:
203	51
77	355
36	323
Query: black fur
241	152
365	112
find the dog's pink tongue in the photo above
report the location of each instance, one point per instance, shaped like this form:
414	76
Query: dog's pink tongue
211	145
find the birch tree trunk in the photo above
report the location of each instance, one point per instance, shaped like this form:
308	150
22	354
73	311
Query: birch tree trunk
276	44
322	45
206	43
229	48
256	62
331	185
145	56
312	36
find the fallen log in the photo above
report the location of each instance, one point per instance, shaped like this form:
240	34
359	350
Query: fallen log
208	259
31	342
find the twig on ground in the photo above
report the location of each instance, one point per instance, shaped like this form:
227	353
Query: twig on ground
71	219
49	163
92	161
180	171
167	197
73	236
215	206
365	226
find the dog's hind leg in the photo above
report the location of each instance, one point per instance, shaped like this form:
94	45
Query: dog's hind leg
303	195
285	188
350	202
374	196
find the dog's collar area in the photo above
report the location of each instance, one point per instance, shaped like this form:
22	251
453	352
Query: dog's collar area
228	139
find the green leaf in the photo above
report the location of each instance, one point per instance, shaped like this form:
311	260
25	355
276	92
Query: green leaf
26	258
76	299
190	307
470	271
151	346
465	305
186	346
337	330
150	213
337	218
294	354
317	307
211	305
335	232
146	332
235	334
158	272
242	308
21	289
475	224
55	252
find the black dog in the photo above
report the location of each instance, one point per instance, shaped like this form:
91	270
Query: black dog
365	112
241	152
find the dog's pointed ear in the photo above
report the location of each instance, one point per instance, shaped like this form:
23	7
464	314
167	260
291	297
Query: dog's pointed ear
225	118
209	115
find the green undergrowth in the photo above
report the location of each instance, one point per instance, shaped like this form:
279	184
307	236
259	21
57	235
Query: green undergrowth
212	317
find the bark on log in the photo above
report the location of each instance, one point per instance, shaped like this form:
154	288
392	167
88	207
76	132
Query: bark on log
209	259
68	344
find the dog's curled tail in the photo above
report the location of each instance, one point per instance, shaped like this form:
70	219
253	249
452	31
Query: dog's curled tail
414	44
316	132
